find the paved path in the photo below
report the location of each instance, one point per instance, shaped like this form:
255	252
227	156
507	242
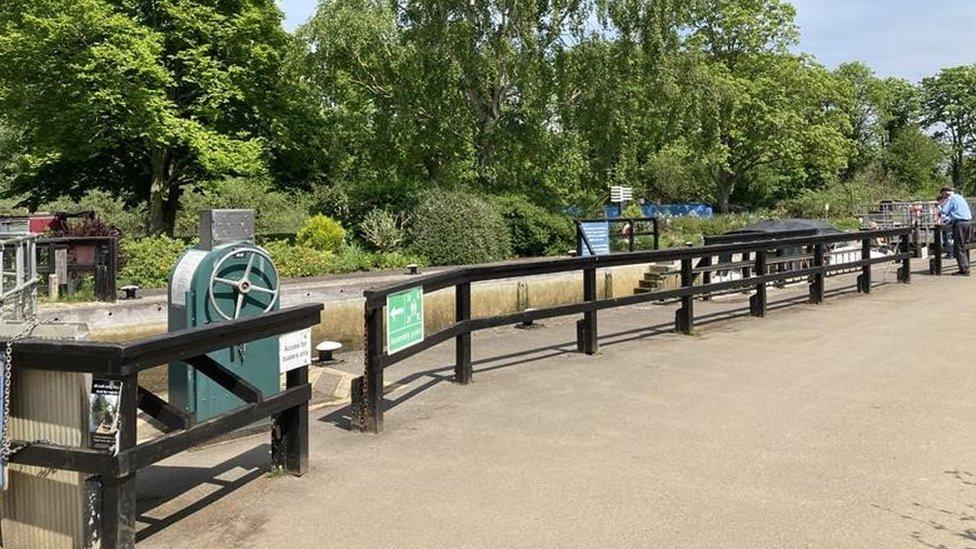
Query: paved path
841	425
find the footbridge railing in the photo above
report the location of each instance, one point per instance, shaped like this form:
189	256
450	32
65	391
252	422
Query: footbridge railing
807	256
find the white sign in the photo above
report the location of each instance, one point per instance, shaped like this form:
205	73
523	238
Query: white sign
621	194
295	350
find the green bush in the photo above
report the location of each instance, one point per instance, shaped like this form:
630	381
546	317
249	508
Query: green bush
129	220
397	260
677	231
321	233
382	231
456	228
353	258
147	262
275	212
534	231
297	261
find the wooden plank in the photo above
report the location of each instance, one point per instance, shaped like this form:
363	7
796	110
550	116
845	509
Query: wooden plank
173	443
180	344
237	386
82	460
289	434
164	412
119	491
462	343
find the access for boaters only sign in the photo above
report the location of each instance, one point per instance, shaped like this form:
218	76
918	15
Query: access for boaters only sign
404	319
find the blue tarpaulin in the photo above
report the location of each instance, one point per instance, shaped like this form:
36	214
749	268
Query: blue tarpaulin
665	210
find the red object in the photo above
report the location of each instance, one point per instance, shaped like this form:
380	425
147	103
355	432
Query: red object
40	223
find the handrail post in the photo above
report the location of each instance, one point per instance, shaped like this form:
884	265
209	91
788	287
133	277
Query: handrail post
367	391
657	232
935	262
745	270
864	280
684	317
586	329
705	262
462	343
289	435
817	280
757	302
119	493
630	236
905	271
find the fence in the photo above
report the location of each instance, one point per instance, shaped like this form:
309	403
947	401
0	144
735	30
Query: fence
935	258
18	277
367	409
123	362
634	223
86	255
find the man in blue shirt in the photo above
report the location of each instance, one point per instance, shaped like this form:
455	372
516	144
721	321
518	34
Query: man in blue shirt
955	211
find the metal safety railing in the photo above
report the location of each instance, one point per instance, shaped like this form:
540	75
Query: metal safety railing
814	265
123	362
18	277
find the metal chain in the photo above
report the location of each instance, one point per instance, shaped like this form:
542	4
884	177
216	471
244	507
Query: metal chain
30	322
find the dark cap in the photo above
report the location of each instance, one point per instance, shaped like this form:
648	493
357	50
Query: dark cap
946	190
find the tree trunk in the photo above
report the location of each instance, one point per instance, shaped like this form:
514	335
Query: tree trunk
161	220
723	190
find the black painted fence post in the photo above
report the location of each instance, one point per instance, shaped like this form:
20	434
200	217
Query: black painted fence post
757	303
935	262
462	343
685	316
119	493
586	329
289	434
367	391
864	281
905	271
817	280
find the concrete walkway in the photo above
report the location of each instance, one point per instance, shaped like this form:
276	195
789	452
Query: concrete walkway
849	424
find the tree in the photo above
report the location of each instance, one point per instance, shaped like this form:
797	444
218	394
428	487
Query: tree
139	97
950	107
915	160
770	108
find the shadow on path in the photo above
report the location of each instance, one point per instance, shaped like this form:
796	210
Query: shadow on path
431	377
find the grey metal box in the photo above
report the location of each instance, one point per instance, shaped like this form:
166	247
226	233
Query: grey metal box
223	226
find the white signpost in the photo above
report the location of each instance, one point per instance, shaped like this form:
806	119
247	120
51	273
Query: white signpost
620	194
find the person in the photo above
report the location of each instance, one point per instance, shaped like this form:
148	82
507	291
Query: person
947	233
955	210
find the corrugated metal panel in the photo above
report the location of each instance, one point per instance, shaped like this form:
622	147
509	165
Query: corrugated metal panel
48	507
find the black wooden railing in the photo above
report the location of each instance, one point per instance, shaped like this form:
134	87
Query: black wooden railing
367	390
288	408
635	231
935	257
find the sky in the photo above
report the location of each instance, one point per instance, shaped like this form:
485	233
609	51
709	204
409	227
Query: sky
906	38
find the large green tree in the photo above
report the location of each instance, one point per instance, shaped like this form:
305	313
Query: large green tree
950	108
770	115
140	97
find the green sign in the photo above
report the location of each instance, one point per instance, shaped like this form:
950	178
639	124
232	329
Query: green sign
404	319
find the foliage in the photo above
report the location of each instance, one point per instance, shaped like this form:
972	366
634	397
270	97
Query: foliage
275	211
382	230
950	102
296	261
148	262
84	226
139	97
840	200
321	233
914	161
127	219
533	230
680	231
458	228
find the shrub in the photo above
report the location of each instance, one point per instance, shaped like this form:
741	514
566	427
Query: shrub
382	231
297	261
321	233
353	258
275	212
534	231
83	226
455	228
129	220
677	231
147	262
397	260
